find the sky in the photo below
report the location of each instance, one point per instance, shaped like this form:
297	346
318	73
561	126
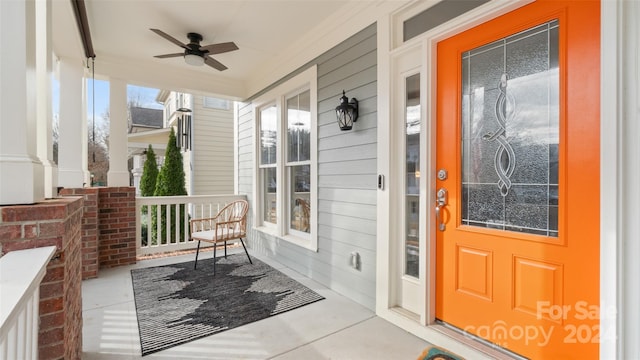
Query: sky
147	96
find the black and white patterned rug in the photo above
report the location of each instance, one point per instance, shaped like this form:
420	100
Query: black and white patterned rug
176	304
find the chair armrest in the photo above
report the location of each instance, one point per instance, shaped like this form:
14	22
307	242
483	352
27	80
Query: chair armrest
203	219
199	224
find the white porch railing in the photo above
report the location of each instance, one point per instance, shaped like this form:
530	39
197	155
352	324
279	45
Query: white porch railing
20	275
155	235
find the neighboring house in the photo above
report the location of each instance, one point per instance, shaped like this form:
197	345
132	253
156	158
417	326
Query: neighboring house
146	126
205	135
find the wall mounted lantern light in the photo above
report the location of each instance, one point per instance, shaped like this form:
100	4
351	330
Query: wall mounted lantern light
183	138
347	112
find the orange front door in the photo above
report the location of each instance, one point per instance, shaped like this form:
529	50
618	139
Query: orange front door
518	136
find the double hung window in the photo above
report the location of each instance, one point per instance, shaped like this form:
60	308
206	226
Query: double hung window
286	190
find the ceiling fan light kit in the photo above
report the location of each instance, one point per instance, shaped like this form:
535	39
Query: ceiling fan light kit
194	54
193	59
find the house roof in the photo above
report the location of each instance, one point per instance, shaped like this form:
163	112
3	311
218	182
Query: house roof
146	117
162	96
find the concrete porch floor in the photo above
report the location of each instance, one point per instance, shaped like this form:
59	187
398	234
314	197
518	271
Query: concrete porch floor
334	328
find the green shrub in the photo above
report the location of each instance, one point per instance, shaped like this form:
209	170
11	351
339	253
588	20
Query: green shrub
149	176
170	182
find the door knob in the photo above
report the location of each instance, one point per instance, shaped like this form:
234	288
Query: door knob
441	202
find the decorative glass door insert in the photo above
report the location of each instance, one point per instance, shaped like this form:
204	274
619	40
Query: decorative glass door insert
510	133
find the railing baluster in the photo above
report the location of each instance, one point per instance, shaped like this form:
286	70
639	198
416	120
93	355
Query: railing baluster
19	308
149	224
167	233
158	224
185	223
176	235
34	321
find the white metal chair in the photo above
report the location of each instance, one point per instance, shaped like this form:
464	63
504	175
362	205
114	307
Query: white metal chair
229	225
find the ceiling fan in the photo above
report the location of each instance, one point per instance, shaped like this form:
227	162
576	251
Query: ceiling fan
197	55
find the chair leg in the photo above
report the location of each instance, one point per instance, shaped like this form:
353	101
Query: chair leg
245	251
225	249
214	258
197	252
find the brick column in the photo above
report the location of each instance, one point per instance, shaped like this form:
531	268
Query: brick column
89	229
117	226
57	223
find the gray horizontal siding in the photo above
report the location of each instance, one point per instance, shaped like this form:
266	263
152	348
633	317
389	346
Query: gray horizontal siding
348	237
357	196
347	181
347	209
328	266
357	152
347	168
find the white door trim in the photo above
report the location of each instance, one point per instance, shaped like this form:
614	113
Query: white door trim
619	179
406	62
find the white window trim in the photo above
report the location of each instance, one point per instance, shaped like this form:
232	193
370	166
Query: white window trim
308	79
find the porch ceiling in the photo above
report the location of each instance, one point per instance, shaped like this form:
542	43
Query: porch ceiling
267	32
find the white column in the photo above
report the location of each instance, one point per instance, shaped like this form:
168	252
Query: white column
138	169
44	115
21	173
72	145
118	173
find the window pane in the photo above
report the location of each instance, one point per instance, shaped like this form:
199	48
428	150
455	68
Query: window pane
412	188
300	207
215	103
269	186
268	127
299	127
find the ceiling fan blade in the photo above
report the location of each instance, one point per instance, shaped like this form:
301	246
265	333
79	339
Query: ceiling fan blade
170	38
214	63
169	55
219	48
